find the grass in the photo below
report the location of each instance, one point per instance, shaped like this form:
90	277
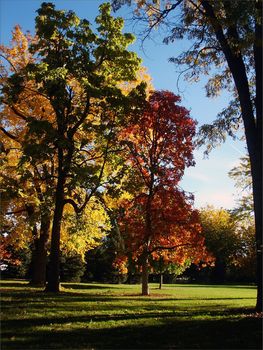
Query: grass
103	316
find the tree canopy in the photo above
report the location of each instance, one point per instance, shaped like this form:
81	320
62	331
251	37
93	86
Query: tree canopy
159	219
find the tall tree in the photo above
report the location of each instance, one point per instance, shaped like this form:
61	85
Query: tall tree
160	218
77	72
226	40
26	189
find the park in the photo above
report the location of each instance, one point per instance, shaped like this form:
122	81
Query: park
103	243
107	316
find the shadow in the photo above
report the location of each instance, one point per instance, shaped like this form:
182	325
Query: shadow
152	298
37	320
86	286
232	286
7	285
9	325
33	296
36	297
169	334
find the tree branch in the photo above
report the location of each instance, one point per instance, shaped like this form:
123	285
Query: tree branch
15	212
9	134
170	247
11	64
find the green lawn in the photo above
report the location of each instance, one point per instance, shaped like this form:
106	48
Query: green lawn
103	316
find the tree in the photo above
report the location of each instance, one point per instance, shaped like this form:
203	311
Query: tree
226	39
242	176
221	239
26	188
160	218
162	266
77	72
229	238
243	267
72	267
17	264
85	231
245	262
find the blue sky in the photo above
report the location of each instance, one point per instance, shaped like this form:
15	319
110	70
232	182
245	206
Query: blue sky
208	180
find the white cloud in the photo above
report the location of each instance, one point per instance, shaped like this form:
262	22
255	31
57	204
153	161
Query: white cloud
216	198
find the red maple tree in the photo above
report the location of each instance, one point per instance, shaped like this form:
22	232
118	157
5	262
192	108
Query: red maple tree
160	218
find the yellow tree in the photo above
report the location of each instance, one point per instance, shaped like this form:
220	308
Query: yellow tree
26	188
77	73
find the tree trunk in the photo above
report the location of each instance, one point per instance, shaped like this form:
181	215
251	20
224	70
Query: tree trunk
252	123
145	275
219	271
161	281
53	275
39	258
257	167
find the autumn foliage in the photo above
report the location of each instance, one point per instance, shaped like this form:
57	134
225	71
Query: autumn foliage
74	130
63	104
160	219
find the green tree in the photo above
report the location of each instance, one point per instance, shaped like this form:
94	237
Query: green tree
78	72
241	174
243	267
245	263
226	43
72	267
17	264
221	239
161	266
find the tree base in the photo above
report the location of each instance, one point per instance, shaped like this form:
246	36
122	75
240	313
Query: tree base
52	289
37	284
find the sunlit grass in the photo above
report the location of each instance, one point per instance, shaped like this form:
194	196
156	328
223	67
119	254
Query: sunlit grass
103	316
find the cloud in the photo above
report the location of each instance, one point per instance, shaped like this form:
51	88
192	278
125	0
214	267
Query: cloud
216	198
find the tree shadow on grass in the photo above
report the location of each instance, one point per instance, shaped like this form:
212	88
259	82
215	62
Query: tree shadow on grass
242	333
213	286
143	326
22	324
86	286
178	327
7	285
